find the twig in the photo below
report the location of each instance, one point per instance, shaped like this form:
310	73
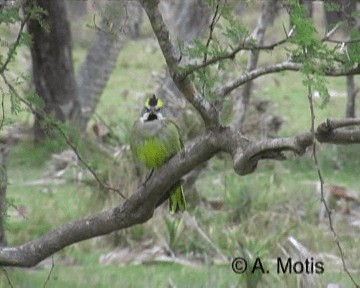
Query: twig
231	55
51	269
7	277
87	166
344	42
331	32
102	120
214	20
246	46
67	140
321	179
15	44
2	109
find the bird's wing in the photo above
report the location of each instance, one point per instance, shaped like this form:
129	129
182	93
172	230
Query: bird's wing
178	129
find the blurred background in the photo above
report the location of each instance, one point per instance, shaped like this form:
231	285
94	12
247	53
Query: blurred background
274	212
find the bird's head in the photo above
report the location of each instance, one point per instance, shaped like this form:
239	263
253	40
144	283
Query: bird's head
152	109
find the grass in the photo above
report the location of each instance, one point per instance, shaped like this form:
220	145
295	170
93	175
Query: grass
261	210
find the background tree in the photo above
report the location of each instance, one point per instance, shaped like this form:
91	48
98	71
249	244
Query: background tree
345	17
206	82
67	98
53	69
119	23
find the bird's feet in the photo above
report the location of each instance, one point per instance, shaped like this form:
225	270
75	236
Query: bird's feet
148	177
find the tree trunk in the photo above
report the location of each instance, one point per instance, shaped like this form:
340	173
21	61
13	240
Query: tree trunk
347	7
351	95
268	13
53	70
3	185
101	58
345	13
308	7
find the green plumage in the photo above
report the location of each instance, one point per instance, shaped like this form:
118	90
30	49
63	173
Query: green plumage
154	141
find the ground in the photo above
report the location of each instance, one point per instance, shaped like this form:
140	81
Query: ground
260	210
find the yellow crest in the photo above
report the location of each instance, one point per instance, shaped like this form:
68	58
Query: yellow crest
154	102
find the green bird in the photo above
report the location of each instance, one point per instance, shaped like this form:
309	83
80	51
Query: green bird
155	139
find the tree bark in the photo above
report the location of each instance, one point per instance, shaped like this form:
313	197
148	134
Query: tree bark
351	95
53	71
3	186
140	207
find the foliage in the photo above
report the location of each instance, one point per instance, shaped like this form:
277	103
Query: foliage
260	209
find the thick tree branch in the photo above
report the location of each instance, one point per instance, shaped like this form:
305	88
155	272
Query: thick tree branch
140	207
137	209
331	132
172	57
245	161
284	66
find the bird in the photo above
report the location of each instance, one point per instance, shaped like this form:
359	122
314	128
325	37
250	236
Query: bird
154	139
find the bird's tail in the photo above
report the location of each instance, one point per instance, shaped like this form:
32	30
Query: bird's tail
177	200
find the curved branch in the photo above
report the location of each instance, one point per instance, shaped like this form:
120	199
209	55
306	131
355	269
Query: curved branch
287	65
140	207
137	209
245	161
246	158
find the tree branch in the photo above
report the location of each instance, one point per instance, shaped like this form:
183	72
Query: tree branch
137	209
12	50
229	56
213	22
140	207
284	66
253	47
172	57
331	132
55	125
343	42
245	161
